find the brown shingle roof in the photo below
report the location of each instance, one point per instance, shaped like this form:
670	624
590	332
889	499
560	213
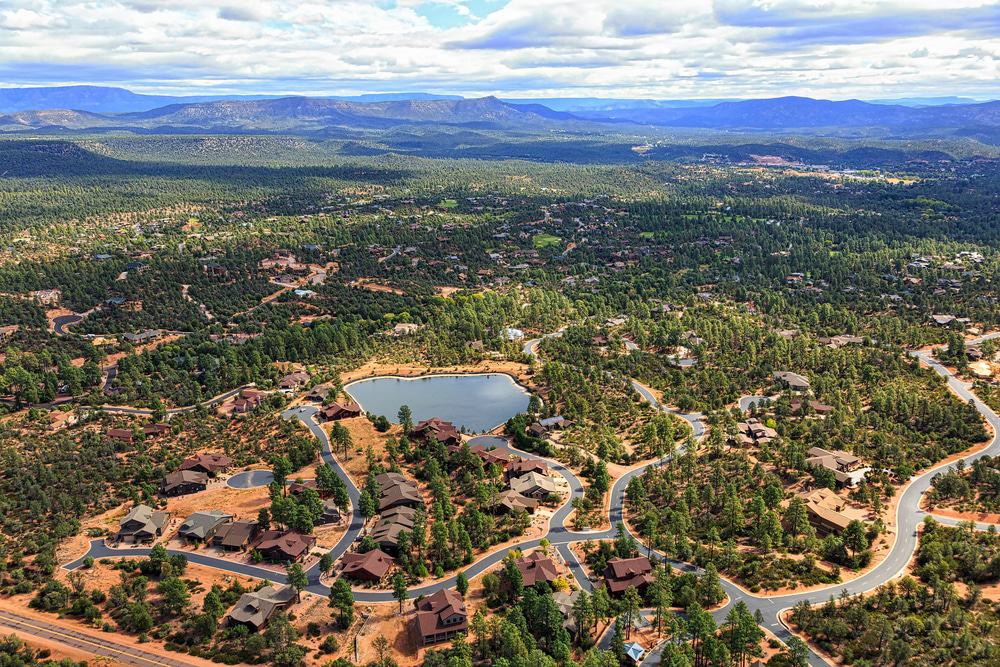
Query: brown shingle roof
371	565
433	611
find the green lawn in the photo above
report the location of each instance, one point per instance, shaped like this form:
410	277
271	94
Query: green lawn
448	203
545	240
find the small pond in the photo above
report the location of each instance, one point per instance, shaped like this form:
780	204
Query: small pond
477	402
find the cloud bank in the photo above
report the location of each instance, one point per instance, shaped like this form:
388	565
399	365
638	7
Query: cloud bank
571	48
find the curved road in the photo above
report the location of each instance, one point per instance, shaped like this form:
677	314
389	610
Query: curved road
908	518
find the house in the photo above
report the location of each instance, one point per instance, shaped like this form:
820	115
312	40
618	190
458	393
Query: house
536	430
634	652
254	610
491	456
512	501
299	486
519	467
247	401
318	394
331	513
155	430
210	464
534	485
441	616
146	336
337	411
623	573
235	535
845	466
202	526
47	297
537	568
564	601
793	381
817	407
284	547
555	423
183	482
435	429
396	491
756	431
404	329
390	524
369	566
512	334
943	320
121	435
843	340
59	420
141	524
293	381
828	512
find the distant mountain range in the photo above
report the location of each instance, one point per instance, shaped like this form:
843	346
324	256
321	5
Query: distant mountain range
103	99
310	115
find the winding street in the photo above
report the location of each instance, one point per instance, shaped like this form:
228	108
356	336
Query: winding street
908	518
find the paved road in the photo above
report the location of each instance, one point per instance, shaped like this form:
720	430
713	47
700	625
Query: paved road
146	412
908	518
91	643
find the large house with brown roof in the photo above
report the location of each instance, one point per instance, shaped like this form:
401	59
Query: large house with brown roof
369	566
337	411
441	616
624	573
293	381
183	482
284	547
537	568
489	456
519	467
247	401
121	435
210	464
435	429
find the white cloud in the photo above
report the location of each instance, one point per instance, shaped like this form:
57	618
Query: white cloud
649	48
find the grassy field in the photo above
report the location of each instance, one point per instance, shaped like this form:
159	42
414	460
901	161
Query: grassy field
545	240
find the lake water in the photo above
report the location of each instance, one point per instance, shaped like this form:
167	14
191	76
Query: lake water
477	402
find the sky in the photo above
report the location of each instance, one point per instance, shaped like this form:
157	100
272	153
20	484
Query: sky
664	49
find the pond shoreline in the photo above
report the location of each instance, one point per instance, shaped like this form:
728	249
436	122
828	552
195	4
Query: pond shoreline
466	401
